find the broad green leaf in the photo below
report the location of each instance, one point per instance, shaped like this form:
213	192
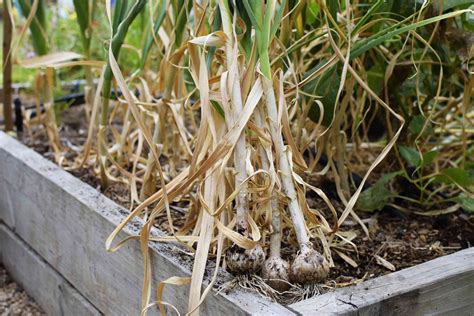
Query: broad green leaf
417	124
466	202
456	175
366	44
429	157
411	156
377	196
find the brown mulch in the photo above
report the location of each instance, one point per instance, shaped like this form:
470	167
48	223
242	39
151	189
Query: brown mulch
404	242
13	300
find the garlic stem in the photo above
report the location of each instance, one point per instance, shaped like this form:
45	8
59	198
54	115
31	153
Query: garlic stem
283	164
309	265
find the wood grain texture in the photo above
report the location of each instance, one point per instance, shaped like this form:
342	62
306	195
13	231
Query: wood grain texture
50	290
443	286
66	222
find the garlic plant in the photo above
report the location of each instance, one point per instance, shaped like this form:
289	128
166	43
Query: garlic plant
309	265
35	14
275	269
238	260
122	19
85	11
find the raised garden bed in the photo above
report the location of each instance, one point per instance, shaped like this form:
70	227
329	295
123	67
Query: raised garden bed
61	222
53	228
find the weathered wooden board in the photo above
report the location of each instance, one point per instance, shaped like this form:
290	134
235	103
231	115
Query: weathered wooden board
443	286
55	295
66	222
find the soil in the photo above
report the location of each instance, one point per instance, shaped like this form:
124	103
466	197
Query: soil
404	242
13	300
396	240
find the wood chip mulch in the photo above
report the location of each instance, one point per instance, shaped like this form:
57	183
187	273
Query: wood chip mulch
13	299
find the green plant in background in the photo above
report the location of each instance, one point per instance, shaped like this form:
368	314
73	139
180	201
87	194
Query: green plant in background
85	16
35	13
38	26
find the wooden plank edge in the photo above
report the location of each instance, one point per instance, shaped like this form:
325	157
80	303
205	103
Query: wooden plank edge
441	286
248	303
51	291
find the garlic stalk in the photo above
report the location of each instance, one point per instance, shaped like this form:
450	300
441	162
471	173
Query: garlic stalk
275	270
309	265
238	260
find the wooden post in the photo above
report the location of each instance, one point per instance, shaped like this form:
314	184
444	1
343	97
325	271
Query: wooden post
7	69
